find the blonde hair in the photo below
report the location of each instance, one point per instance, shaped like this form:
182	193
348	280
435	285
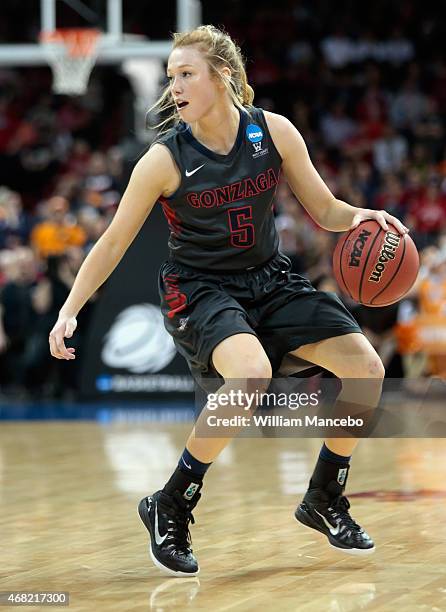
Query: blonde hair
219	50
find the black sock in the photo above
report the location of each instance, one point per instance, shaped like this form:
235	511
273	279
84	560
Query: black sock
186	484
331	457
188	476
190	465
329	476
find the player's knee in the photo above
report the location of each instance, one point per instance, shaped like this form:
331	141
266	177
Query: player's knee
372	367
366	365
381	370
363	381
257	373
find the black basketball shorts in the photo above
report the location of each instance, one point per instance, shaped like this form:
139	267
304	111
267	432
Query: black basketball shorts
282	309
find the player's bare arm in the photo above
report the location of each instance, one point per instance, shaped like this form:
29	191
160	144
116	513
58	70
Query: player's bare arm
155	174
307	185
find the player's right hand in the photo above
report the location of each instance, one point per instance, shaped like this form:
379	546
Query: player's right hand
64	328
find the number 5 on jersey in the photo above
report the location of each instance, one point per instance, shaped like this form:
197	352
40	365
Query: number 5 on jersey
242	232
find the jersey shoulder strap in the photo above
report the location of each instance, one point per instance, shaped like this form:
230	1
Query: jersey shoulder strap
257	118
173	139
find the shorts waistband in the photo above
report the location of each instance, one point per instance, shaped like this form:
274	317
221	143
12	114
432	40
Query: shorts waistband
220	272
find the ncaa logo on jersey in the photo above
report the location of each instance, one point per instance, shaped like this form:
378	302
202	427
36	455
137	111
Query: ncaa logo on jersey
254	133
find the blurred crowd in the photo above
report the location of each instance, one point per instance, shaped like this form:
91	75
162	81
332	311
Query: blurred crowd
367	90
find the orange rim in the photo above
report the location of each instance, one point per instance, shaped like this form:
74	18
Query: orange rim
78	41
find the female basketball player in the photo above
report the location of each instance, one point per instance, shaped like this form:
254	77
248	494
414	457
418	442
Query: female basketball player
228	298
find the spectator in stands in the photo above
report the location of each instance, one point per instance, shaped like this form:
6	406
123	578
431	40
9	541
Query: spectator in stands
116	169
365	180
429	130
409	106
16	314
432	288
93	223
398	49
14	222
390	151
372	109
9	122
391	196
318	261
100	184
427	215
58	231
432	302
420	160
337	127
78	158
413	188
337	48
264	71
41	373
300	52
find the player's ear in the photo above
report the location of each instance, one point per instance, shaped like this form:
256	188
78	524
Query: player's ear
225	74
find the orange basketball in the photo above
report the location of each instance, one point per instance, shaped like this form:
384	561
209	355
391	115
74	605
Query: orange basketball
373	266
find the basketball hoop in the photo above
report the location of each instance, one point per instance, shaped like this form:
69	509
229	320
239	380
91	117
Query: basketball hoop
71	53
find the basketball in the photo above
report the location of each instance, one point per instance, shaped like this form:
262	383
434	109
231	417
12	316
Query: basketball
373	266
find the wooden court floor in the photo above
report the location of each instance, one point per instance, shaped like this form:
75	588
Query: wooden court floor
68	522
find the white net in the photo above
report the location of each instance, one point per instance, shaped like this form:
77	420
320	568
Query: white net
71	54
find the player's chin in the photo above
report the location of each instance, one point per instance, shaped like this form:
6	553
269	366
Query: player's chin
190	113
184	111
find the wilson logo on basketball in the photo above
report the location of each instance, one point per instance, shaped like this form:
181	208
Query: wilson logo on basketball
358	247
388	250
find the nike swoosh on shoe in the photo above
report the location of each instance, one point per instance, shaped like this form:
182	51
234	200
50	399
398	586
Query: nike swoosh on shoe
333	530
159	539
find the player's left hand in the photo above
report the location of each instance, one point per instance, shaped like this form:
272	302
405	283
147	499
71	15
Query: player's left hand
381	216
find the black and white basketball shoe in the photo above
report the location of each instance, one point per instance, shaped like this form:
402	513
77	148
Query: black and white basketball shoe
167	519
327	511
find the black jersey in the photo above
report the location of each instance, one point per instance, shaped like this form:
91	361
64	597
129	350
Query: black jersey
221	217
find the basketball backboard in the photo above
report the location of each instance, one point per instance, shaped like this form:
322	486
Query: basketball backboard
115	45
